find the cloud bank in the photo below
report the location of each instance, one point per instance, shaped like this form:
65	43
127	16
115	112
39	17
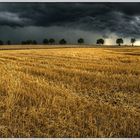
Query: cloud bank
70	20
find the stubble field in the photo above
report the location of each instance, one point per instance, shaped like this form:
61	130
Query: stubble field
70	92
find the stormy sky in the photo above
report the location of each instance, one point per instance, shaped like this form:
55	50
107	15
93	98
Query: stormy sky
22	21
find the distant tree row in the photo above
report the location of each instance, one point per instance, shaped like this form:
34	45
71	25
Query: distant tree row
100	41
29	42
119	41
8	42
51	41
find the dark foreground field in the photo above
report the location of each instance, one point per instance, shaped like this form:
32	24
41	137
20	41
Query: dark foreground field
70	92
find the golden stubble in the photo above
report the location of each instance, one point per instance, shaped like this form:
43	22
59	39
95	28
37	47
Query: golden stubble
70	92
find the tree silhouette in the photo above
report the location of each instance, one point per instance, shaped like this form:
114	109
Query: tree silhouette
62	41
80	40
34	42
23	42
8	42
51	41
100	41
119	41
1	42
45	41
133	40
29	42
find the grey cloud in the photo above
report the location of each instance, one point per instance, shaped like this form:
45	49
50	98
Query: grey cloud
99	19
12	19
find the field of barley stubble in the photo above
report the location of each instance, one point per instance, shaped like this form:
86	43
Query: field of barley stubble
70	92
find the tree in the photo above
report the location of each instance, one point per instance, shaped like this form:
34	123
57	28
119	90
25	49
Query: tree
51	41
119	41
23	42
8	42
62	41
45	41
1	42
29	42
133	40
100	41
34	42
80	40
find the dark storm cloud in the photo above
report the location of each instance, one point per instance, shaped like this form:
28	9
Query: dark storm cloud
119	18
127	8
45	14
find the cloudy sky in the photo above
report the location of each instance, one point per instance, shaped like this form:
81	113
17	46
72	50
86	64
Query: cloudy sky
22	21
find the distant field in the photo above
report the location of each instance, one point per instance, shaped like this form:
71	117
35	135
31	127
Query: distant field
21	47
70	92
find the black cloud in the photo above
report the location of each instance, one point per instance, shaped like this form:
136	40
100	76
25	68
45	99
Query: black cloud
119	18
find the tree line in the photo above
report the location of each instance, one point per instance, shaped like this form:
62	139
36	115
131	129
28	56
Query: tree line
119	41
46	41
